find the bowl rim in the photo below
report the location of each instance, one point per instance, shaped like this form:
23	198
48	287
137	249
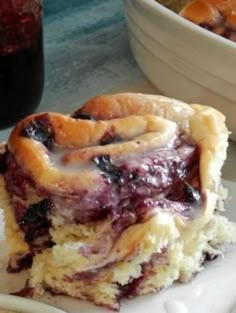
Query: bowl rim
211	37
19	304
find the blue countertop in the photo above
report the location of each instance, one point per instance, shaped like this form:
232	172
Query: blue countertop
86	51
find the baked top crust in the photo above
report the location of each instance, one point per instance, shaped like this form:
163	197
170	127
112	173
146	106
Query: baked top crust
131	124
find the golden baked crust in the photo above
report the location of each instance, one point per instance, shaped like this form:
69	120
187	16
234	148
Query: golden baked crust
82	137
118	112
106	107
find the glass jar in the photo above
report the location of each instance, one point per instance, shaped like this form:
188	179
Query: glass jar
21	59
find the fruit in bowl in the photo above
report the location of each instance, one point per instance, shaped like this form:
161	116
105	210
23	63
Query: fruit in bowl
218	16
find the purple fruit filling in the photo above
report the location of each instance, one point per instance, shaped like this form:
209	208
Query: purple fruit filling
35	224
32	219
3	161
26	292
220	29
110	136
128	191
132	289
35	213
20	262
167	175
40	129
80	116
109	169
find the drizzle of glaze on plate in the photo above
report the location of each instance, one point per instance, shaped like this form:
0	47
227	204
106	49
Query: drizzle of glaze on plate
233	309
174	306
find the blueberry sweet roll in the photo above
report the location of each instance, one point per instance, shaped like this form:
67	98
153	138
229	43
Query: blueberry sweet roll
121	198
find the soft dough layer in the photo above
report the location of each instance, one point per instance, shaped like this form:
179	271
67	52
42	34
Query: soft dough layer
120	199
147	258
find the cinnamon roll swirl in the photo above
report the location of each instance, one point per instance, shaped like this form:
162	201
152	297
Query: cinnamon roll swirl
119	199
218	16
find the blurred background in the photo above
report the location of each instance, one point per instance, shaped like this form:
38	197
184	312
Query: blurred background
87	53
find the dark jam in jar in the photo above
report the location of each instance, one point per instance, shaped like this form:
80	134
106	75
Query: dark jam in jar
21	59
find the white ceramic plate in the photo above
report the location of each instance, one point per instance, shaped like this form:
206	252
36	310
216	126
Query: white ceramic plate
212	291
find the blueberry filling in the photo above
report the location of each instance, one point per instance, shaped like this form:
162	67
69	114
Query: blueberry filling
35	213
35	224
81	116
131	289
166	177
26	292
33	219
40	129
35	236
128	190
16	182
134	177
3	162
192	195
110	137
23	262
209	256
105	164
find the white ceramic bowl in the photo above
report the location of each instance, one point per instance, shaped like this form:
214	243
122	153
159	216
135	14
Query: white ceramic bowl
183	60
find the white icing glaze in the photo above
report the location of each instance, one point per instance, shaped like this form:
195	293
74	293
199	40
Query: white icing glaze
56	158
58	153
